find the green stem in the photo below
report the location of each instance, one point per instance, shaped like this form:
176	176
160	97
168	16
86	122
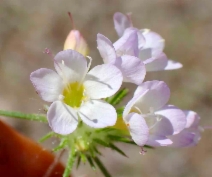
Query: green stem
20	115
70	162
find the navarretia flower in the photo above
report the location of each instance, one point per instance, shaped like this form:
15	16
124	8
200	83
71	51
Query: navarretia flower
148	118
190	136
76	92
124	55
152	52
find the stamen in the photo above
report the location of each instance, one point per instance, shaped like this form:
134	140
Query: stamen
48	51
142	152
88	67
61	97
89	64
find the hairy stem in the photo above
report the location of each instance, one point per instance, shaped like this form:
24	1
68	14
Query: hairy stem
70	162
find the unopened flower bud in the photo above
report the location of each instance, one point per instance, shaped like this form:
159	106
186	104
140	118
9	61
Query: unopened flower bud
75	41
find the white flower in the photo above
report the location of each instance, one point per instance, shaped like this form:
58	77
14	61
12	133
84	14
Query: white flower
76	93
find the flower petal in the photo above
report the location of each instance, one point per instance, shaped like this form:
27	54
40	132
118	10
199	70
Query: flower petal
103	81
154	42
156	141
192	119
98	114
62	118
70	65
141	39
132	102
121	22
47	83
132	68
173	121
157	96
128	43
157	63
185	139
106	49
173	65
138	128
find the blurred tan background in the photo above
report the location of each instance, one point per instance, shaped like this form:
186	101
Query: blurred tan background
28	27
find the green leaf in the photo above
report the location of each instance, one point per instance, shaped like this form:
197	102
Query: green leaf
63	143
20	115
118	97
121	139
101	167
99	141
115	148
46	137
91	162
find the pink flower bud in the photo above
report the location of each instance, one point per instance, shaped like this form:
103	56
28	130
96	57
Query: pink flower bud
75	41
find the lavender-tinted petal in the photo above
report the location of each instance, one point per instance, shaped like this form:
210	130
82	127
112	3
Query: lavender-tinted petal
172	121
157	96
128	43
138	128
155	141
106	49
121	22
132	68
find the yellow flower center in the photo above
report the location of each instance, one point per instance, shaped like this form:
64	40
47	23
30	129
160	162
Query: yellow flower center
74	94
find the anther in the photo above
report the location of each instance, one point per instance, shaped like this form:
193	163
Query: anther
142	152
61	97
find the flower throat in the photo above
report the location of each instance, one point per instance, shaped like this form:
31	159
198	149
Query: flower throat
73	94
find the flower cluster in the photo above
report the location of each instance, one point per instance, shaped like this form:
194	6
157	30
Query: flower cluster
78	93
82	98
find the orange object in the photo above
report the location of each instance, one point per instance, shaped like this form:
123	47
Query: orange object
21	157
